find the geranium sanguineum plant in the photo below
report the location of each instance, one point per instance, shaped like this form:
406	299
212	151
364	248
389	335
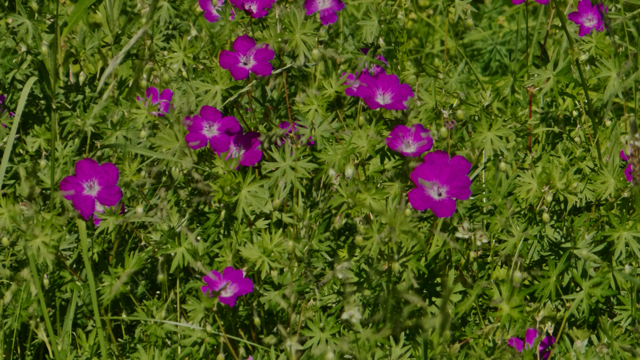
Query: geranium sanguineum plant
291	128
163	100
529	339
211	128
385	91
255	8
92	186
248	57
439	181
244	147
412	142
625	154
230	285
589	17
328	9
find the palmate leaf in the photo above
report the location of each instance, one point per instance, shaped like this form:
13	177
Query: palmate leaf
288	166
490	136
624	236
251	196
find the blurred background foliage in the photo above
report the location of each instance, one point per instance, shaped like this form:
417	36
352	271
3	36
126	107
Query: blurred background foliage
342	266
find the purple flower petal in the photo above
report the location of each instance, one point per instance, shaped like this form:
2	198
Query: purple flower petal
628	173
231	284
85	205
516	343
530	337
243	44
153	94
248	57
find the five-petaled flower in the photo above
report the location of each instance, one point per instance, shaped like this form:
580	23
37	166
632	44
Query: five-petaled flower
248	57
530	338
413	141
328	9
589	17
230	285
162	99
211	128
625	154
93	187
439	181
290	129
255	8
352	80
385	91
244	147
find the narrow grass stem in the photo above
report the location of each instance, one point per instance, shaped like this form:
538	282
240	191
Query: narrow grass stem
84	243
43	305
583	80
225	336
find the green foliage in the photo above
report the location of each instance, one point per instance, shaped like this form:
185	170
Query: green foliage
342	266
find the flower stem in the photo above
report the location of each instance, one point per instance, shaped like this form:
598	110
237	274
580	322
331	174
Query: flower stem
43	305
225	335
82	232
583	81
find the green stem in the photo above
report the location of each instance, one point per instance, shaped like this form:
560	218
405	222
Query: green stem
43	305
583	81
82	232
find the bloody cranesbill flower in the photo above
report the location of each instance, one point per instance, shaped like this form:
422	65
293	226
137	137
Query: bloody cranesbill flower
625	154
255	8
328	9
385	91
589	17
163	99
413	141
530	338
210	8
210	127
375	69
230	285
93	185
247	57
291	128
245	148
439	181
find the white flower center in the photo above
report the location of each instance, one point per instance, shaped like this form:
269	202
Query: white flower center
236	151
229	289
589	20
252	6
246	61
91	188
324	4
409	146
382	98
210	129
434	189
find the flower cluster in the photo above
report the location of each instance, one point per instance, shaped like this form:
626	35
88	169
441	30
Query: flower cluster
228	286
163	100
93	187
222	134
248	57
530	338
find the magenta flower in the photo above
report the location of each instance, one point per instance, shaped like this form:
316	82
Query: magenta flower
211	11
245	147
210	127
439	181
411	142
589	17
385	91
93	185
375	68
626	155
353	80
247	57
164	99
230	285
291	129
328	9
530	338
255	8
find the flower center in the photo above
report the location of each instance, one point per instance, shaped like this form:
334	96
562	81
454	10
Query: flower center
324	4
382	97
251	6
210	129
434	189
229	289
246	61
236	151
91	188
409	146
589	20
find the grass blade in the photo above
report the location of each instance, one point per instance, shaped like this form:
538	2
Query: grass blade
77	14
14	127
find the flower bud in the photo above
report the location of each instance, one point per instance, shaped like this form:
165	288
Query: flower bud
577	140
44	48
503	166
256	321
291	247
359	240
143	83
545	217
361	120
220	356
607	123
82	77
143	134
315	54
444	132
184	74
407	212
5	241
349	170
276	203
45	281
208	328
548	198
160	277
165	77
139	209
460	114
42	163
